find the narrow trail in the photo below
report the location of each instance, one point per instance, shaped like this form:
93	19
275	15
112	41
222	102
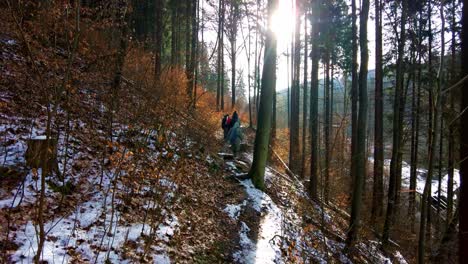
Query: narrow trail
259	220
282	225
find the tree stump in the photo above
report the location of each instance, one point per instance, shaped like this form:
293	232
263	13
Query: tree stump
37	150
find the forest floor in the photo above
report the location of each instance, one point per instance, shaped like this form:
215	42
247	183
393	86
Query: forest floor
214	217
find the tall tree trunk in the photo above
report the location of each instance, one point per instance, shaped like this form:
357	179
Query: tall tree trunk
426	197
223	10
439	174
193	52
463	229
294	149
415	121
326	125
234	21
431	115
262	136
196	52
314	86
188	35
159	6
259	77
256	64
361	130
397	123
354	91
174	32
304	100
377	197
219	61
451	127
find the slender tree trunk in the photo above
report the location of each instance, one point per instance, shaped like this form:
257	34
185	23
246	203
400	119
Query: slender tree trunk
314	86
451	136
256	67
304	100
415	134
219	61
431	115
249	81
259	76
361	130
397	137
222	53
234	14
377	198
188	35
326	125
174	31
463	229
262	136
426	197
354	92
196	52
294	149
193	53
441	149
159	6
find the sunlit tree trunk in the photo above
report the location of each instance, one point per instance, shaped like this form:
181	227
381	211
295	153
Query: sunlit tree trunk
262	136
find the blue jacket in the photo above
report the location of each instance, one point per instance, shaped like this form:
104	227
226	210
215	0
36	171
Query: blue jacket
235	133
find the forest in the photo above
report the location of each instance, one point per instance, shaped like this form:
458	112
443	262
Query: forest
233	131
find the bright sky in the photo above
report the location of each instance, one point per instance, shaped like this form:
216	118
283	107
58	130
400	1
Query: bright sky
284	28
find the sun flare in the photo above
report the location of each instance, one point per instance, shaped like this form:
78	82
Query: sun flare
283	20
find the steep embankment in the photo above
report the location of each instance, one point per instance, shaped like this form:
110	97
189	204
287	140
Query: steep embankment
141	182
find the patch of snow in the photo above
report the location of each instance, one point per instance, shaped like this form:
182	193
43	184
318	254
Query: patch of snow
166	230
26	192
161	259
400	258
92	243
372	251
247	253
233	210
265	250
421	180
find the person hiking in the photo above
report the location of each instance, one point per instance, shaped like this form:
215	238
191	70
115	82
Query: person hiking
235	137
225	125
235	118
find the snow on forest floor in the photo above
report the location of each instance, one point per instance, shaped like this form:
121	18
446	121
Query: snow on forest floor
279	235
91	234
265	249
421	178
93	230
